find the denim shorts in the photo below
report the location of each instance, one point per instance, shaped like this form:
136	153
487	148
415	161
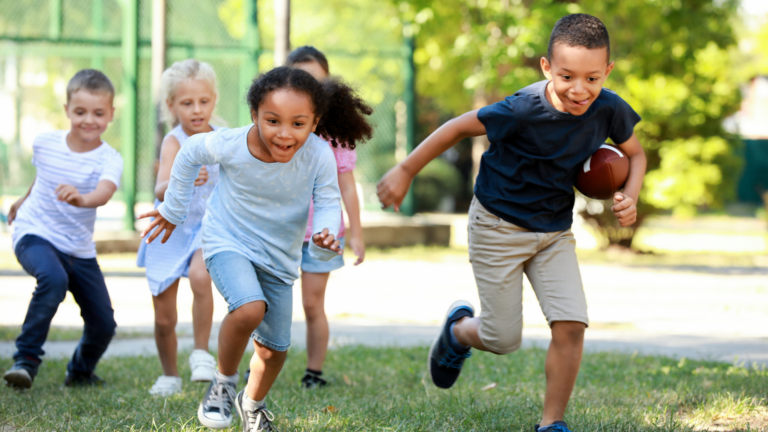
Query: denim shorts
313	265
240	281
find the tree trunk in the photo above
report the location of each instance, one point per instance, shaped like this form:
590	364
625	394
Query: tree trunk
282	31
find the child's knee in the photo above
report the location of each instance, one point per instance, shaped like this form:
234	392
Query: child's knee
165	324
569	330
313	307
52	286
250	314
200	281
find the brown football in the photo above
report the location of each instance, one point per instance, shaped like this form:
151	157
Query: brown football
604	173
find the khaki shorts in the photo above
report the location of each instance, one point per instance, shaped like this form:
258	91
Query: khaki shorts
500	252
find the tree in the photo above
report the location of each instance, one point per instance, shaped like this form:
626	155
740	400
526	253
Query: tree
672	65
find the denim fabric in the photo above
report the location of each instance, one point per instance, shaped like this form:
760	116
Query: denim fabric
240	281
57	273
310	264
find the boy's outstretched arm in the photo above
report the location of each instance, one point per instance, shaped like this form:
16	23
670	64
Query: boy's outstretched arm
15	206
96	198
625	203
392	188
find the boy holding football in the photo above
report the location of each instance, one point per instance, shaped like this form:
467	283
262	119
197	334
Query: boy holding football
520	218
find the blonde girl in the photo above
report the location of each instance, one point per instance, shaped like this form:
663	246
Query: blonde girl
189	90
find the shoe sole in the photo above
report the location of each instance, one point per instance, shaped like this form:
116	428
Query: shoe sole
201	377
213	424
20	379
455	305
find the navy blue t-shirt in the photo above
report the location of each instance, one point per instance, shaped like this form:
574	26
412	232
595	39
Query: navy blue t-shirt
527	175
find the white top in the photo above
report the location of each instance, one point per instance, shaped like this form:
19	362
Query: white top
68	228
258	209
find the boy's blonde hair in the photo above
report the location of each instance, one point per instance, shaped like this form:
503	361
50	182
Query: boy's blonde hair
178	72
90	80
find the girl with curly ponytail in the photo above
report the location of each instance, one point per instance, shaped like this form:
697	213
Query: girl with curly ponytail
254	225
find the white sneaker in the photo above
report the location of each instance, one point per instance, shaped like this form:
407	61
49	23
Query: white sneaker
166	386
203	365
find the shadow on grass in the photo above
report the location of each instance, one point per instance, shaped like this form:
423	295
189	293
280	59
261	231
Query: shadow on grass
378	389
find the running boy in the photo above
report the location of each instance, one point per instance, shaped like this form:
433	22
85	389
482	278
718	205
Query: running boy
53	231
520	219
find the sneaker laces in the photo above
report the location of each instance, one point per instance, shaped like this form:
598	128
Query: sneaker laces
452	359
216	397
261	420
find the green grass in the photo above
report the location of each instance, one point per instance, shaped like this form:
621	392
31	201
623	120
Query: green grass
386	389
57	334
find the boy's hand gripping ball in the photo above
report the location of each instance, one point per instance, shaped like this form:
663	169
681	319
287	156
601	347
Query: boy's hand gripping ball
604	173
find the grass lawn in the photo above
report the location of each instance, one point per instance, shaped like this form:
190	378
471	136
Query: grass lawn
386	389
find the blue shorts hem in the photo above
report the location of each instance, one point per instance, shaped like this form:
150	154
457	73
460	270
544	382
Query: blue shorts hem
250	299
269	344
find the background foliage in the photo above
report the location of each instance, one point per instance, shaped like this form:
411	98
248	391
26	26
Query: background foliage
674	65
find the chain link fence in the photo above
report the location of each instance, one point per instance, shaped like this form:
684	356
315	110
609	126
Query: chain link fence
44	42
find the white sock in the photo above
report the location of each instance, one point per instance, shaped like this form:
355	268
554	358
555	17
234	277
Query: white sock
250	404
226	378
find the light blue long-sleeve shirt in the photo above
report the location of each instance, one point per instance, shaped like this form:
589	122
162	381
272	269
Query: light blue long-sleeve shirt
258	209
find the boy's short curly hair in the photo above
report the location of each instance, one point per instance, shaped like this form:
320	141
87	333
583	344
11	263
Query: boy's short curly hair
92	80
579	30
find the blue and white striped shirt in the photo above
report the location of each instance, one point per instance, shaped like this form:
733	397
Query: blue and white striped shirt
68	228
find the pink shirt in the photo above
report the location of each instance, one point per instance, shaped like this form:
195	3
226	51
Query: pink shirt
345	162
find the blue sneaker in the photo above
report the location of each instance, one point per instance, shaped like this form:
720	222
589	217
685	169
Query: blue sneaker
558	426
444	361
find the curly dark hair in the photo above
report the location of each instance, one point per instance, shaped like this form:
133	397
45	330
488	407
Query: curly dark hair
307	54
579	30
342	112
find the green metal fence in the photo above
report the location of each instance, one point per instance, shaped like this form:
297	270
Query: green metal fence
44	42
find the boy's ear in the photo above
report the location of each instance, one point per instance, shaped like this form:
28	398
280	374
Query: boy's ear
546	68
609	68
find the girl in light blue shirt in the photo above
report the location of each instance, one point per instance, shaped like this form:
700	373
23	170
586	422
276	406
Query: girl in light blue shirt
254	224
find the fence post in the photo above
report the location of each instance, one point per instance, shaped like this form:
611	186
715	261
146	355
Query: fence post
409	98
250	65
128	116
54	19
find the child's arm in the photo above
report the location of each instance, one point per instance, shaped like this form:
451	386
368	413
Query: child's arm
96	198
178	194
348	189
168	152
15	206
625	203
392	188
327	218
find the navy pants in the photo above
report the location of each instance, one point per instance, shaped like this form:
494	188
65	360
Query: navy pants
57	273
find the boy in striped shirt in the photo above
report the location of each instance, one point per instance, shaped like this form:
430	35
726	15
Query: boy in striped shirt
53	231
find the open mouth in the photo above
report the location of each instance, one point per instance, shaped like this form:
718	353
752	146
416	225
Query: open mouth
282	147
197	122
580	103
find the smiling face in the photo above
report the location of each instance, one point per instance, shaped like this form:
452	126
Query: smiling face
283	123
576	77
89	115
193	105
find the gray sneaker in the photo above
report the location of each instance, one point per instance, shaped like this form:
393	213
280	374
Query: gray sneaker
258	420
215	410
19	376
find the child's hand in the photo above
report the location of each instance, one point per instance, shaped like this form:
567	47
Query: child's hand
70	195
624	208
202	178
358	247
326	241
161	225
14	209
392	188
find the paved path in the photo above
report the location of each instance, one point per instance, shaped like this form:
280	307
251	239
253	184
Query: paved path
693	312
